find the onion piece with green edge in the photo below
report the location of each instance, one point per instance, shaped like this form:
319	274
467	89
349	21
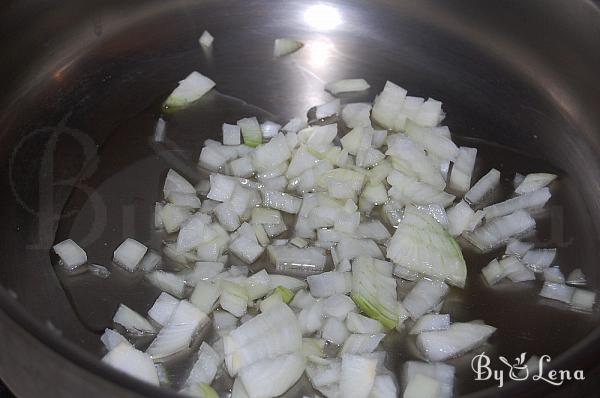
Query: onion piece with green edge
189	90
251	131
132	321
374	292
177	334
457	339
127	359
284	46
70	253
422	245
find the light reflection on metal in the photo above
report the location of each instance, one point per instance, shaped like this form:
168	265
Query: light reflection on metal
322	17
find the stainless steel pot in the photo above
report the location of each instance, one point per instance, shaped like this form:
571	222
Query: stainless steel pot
81	86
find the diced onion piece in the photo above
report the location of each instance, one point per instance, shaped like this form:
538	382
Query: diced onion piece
163	308
288	282
127	359
129	254
553	274
231	134
460	177
456	340
515	270
529	201
224	322
284	46
422	245
71	255
384	387
583	299
362	343
533	182
499	230
358	114
200	390
424	296
484	187
167	282
272	377
405	273
557	291
270	129
346	86
517	248
311	318
421	386
357	139
329	283
334	331
493	272
206	366
374	292
297	261
410	159
431	322
387	106
429	114
190	89
324	374
177	334
357	376
111	338
302	299
281	201
132	321
436	144
160	130
150	261
328	109
173	216
350	248
234	298
438	371
221	187
357	323
576	277
205	296
459	217
409	190
206	39
251	131
338	306
539	259
202	271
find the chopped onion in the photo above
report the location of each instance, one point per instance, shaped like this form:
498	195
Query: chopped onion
163	308
515	270
329	283
357	323
296	261
384	387
539	259
421	386
327	109
71	255
424	296
311	318
206	40
281	201
127	359
202	271
272	377
111	338
132	321
460	177
422	245
177	334
388	105
205	296
441	372
405	273
338	306
362	343
357	376
231	134
553	274
483	188
409	190
557	291
358	114
436	144
150	261
234	298
350	248
431	322
190	89
528	201
346	86
334	331
167	282
533	182
499	230
517	248
173	216
206	366
224	322
329	372
583	299
456	340
459	217
284	46
576	277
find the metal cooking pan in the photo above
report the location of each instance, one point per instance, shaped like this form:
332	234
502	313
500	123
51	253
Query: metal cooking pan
82	87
